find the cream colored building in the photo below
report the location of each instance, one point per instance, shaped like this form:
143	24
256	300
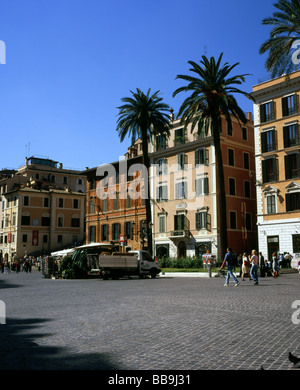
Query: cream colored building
183	191
42	208
277	154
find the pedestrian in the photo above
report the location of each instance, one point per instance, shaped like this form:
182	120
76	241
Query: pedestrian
246	267
240	262
261	263
6	268
275	267
254	266
229	262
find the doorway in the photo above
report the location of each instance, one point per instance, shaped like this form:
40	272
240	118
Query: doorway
273	246
181	249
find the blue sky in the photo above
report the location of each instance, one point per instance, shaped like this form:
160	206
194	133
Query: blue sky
70	62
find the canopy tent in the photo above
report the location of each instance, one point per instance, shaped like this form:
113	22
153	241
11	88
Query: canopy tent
64	252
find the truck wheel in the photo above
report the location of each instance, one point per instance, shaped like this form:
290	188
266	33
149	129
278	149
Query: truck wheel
153	274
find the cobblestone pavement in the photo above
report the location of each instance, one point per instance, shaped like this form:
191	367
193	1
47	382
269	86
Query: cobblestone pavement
168	323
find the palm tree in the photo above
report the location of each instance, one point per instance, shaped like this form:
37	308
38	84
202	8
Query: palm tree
144	116
211	96
286	30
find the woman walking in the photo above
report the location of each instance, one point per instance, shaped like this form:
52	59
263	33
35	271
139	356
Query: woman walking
245	267
254	261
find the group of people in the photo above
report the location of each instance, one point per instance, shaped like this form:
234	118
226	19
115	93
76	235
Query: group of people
249	266
20	265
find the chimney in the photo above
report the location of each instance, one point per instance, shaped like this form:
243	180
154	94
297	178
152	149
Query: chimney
249	116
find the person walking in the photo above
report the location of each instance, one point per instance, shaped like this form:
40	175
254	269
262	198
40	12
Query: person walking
246	267
254	266
275	267
229	262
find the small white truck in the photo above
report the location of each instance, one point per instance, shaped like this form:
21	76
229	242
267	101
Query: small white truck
120	264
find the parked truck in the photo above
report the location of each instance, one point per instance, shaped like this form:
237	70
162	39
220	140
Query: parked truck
118	264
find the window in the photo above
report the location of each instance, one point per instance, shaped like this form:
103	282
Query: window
271	204
181	190
46	202
92	207
231	186
269	168
201	156
292	201
75	203
24	237
25	220
45	238
229	128
65	180
60	221
292	165
128	201
179	222
92	233
267	112
291	135
246	161
116	231
289	105
79	182
35	222
162	193
162	224
268	141
202	186
247	189
127	230
244	133
296	243
248	221
161	143
59	239
60	202
104	232
116	202
162	166
75	222
201	220
232	219
26	200
179	137
45	221
182	160
104	204
231	157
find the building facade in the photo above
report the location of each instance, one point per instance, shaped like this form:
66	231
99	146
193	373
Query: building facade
277	154
42	208
184	191
115	214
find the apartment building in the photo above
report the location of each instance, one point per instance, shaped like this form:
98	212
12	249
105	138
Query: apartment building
184	190
277	154
42	208
115	208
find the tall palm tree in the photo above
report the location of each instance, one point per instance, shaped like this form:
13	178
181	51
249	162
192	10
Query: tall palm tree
144	116
211	96
286	30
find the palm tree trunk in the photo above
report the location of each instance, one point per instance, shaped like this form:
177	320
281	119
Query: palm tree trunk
146	162
220	190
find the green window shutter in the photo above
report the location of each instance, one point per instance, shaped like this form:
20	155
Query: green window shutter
206	186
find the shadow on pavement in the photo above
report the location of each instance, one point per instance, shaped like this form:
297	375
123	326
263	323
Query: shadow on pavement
19	351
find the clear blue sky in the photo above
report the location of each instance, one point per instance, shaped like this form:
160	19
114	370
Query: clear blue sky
69	63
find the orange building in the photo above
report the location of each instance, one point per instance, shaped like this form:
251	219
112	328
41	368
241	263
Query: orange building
119	218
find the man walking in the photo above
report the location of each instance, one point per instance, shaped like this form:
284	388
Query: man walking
229	262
